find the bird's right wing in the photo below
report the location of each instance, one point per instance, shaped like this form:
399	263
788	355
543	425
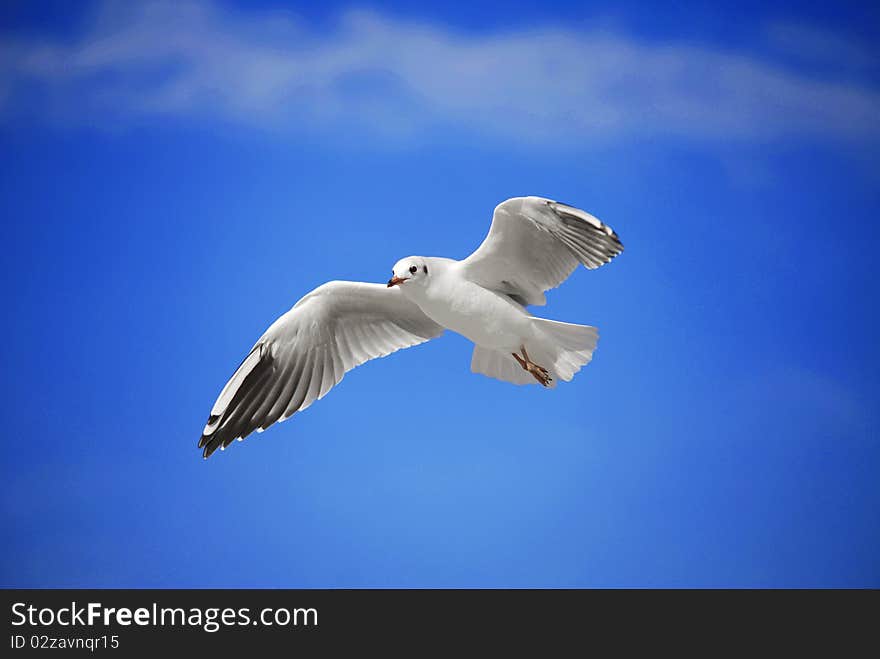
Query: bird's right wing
534	244
336	327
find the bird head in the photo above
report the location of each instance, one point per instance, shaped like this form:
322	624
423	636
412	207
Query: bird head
410	270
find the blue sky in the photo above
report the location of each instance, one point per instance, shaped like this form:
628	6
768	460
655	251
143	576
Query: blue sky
175	176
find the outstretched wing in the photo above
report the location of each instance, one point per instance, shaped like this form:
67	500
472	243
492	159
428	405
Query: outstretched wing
534	244
336	327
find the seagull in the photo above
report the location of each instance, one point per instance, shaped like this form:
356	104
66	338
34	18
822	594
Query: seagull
533	245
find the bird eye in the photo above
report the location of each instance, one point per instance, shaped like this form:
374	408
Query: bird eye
412	269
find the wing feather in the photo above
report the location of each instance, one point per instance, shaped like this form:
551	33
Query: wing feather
308	350
274	391
314	380
534	244
302	386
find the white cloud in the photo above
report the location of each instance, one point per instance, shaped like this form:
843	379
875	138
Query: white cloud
398	79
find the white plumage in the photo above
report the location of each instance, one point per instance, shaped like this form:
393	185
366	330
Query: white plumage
533	245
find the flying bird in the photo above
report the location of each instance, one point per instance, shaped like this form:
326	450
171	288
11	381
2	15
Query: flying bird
533	245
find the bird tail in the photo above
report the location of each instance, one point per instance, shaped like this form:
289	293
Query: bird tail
574	345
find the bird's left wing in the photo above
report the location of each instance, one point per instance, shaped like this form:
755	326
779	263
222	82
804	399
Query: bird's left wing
336	327
534	244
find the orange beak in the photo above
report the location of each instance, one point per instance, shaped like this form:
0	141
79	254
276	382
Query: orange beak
396	281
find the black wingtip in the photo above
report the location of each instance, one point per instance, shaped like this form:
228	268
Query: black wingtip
209	447
212	419
224	428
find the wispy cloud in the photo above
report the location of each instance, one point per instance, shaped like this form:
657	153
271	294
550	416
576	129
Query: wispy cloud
399	78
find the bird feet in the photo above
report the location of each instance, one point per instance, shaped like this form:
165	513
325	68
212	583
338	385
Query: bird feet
541	374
